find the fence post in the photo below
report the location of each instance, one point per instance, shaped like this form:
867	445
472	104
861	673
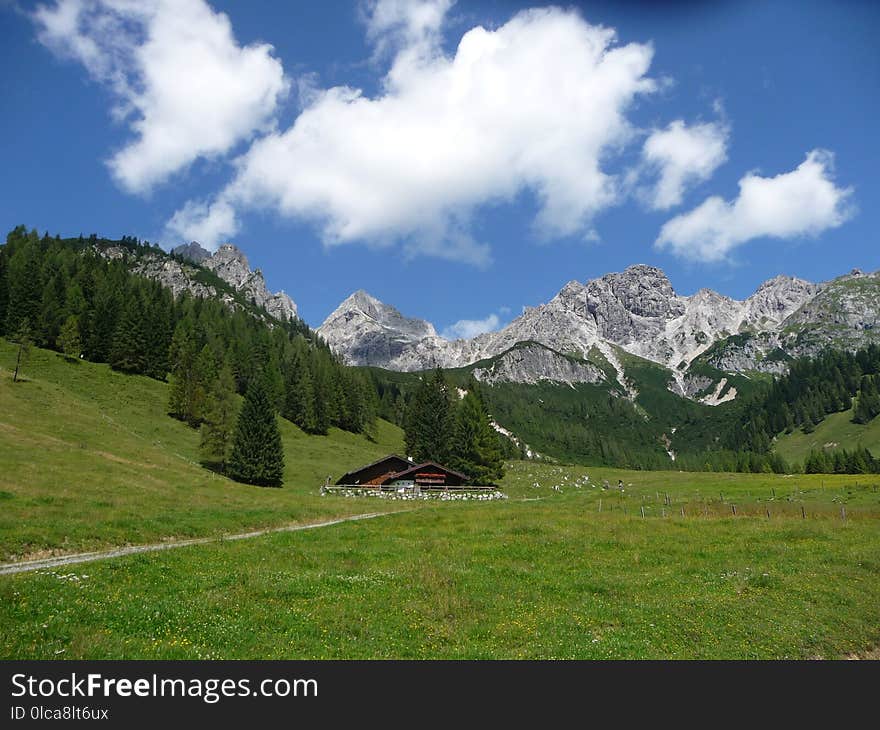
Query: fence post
843	513
643	510
600	504
803	512
733	508
682	511
768	513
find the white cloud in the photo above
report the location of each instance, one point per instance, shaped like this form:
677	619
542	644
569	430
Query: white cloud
536	105
682	156
409	23
209	224
802	202
177	74
467	328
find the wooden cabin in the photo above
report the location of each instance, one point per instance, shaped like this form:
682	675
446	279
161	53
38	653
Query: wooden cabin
395	472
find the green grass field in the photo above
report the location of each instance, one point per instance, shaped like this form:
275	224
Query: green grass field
89	458
836	430
561	569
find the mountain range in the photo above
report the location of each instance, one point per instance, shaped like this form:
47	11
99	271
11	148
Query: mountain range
588	331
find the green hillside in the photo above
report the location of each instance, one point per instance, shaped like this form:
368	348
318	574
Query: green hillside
836	431
89	457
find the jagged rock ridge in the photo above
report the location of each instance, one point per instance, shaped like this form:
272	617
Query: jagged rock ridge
636	311
228	263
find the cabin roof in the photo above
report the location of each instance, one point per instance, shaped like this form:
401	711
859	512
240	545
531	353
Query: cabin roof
390	457
417	467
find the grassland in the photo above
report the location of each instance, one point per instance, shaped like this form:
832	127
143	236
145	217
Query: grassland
564	568
544	574
89	458
836	431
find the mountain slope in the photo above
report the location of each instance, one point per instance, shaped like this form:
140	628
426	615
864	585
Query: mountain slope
90	458
701	340
836	431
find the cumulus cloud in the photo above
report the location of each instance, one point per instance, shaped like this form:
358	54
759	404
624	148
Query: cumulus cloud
467	328
186	87
410	24
535	105
681	156
802	202
209	224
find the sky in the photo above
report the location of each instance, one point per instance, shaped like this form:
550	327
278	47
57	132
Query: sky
459	160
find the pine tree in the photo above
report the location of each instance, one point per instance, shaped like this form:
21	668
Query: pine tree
299	396
218	427
428	421
53	313
868	402
69	339
104	319
128	352
257	451
186	398
475	448
25	288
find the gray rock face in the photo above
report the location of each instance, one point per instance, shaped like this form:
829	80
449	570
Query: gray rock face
532	363
637	311
369	332
229	263
777	299
192	251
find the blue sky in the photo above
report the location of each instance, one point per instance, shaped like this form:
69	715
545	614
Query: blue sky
722	142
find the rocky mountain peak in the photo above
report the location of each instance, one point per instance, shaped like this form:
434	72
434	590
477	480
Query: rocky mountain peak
365	302
369	332
192	251
778	298
642	290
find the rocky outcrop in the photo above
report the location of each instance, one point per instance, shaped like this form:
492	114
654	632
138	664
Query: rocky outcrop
192	251
532	363
231	265
228	263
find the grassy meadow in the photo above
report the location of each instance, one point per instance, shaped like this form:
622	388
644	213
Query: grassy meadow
89	458
835	430
563	568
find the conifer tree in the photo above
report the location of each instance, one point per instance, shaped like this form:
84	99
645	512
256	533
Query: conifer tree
428	421
218	427
104	319
257	451
299	395
128	352
25	285
186	398
53	313
475	448
868	402
69	339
